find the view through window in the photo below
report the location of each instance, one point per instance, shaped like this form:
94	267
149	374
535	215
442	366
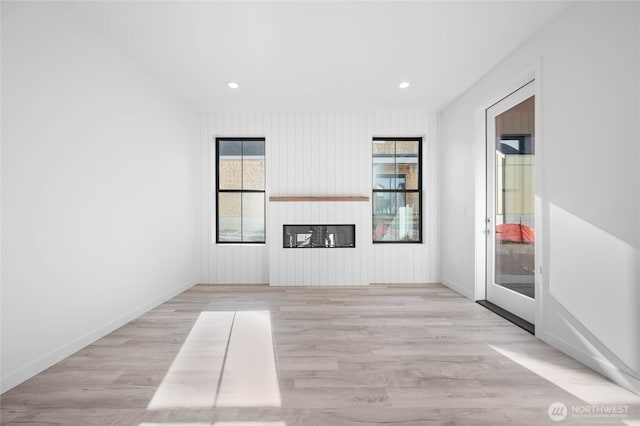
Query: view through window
397	190
240	190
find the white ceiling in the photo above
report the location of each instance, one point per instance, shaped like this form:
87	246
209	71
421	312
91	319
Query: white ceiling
317	55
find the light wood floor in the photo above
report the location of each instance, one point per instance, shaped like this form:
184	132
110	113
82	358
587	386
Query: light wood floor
416	355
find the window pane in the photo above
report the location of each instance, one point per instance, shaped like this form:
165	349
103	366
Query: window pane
396	216
409	213
230	148
253	217
384	147
514	215
253	148
407	164
407	148
229	216
384	165
253	165
387	181
384	211
230	164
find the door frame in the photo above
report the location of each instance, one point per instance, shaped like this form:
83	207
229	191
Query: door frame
480	179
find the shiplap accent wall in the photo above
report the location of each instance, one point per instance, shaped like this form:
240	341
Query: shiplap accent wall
319	154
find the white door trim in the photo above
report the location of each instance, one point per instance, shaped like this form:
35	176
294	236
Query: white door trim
480	176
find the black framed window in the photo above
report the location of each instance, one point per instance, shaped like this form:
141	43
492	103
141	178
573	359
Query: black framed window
397	190
240	190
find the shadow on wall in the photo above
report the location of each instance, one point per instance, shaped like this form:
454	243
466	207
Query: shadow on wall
598	349
593	277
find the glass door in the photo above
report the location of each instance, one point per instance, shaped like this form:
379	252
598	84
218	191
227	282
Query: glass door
511	203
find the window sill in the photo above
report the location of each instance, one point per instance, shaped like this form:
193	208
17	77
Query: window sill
397	242
240	244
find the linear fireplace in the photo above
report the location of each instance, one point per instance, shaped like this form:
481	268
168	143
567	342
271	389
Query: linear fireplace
319	236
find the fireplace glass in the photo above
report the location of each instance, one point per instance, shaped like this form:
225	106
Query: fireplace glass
319	236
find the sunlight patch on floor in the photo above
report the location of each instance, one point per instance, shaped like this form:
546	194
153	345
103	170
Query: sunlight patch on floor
227	360
192	379
583	384
250	378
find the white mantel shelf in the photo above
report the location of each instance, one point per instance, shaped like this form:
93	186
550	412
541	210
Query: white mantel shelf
317	198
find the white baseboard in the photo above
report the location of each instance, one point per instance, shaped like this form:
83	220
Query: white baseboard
459	289
16	377
420	284
320	285
602	366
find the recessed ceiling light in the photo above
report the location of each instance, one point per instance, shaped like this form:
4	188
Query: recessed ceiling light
404	85
232	84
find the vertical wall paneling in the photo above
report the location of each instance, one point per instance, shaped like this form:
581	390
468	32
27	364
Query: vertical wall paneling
327	153
205	228
410	263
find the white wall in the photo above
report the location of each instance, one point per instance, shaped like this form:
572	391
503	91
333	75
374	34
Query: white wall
320	154
588	76
99	190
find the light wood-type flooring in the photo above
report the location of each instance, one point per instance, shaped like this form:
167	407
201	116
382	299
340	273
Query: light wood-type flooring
265	356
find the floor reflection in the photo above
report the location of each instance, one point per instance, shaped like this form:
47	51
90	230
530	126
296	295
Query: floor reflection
227	360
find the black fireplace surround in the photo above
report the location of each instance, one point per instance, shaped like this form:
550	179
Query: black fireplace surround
319	236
